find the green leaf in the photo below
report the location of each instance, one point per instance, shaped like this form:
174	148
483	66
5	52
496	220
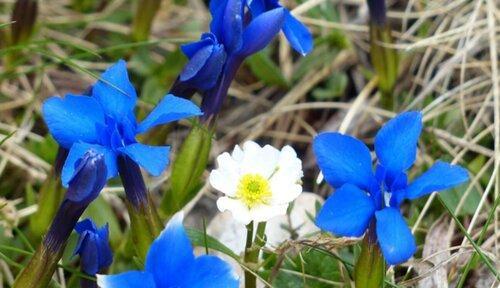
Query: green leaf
46	149
50	197
200	239
266	70
187	169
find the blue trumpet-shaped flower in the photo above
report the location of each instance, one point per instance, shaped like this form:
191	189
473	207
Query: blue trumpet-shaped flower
105	122
85	185
362	196
235	33
171	263
295	32
93	247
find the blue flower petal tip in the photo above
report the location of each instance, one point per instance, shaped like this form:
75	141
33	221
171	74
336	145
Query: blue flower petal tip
171	263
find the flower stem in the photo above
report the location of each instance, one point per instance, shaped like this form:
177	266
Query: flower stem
385	62
43	264
369	270
144	15
144	219
145	226
252	251
214	98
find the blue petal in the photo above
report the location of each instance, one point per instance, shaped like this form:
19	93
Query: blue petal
79	244
215	5
89	254
131	279
261	31
115	92
84	225
396	142
297	34
196	62
211	272
343	159
440	176
347	212
105	253
191	48
88	179
171	108
232	25
170	254
257	7
217	8
152	158
72	119
204	69
77	151
394	236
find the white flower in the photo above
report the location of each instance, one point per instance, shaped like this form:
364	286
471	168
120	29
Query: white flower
258	182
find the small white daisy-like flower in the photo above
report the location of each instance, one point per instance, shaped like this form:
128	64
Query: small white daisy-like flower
258	182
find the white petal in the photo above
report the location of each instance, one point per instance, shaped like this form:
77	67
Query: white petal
224	181
226	162
237	154
284	194
259	160
285	183
290	164
263	213
238	209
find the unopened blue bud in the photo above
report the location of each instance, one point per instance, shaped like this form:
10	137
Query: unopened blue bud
377	12
93	247
84	187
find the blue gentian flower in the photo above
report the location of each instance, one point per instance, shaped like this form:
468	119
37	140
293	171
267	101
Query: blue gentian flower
105	122
88	180
93	247
295	32
235	33
171	263
85	185
362	197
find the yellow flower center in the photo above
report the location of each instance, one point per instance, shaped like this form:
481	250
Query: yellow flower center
253	190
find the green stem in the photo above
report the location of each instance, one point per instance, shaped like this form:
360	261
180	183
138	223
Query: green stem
145	226
385	62
252	251
369	270
39	270
143	19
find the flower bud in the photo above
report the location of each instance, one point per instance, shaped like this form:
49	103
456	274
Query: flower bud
93	249
84	187
377	12
24	17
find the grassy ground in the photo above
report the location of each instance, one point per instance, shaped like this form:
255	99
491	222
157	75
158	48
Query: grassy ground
448	69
